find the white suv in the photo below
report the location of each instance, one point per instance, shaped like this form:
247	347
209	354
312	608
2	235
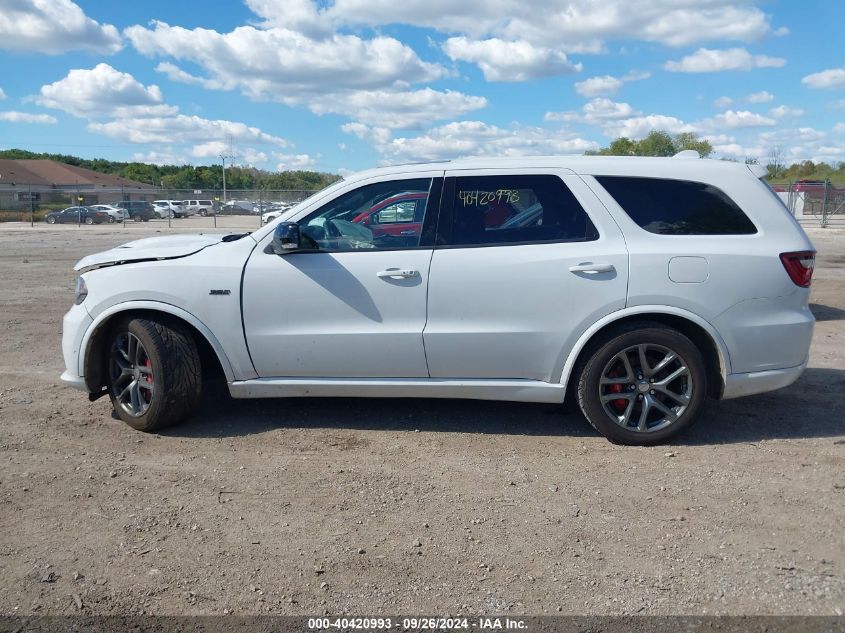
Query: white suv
199	207
635	286
175	207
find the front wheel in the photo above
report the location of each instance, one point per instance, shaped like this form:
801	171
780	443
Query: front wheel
51	219
644	385
155	375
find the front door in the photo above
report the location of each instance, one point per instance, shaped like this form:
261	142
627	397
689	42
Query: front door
353	302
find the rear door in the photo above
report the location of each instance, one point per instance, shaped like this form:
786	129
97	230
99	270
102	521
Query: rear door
525	261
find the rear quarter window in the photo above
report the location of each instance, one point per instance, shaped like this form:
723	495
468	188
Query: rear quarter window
677	207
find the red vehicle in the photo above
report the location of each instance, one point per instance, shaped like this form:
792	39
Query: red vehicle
400	215
816	190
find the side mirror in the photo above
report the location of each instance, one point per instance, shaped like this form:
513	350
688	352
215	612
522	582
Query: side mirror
286	238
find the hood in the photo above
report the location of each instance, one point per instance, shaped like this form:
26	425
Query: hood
153	248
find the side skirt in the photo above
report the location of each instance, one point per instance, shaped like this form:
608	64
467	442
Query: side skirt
515	390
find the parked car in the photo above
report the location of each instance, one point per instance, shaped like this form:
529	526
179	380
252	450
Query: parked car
199	207
175	207
400	216
115	213
238	207
77	215
161	211
636	287
274	212
138	210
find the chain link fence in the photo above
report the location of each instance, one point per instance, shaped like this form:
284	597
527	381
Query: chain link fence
195	208
815	202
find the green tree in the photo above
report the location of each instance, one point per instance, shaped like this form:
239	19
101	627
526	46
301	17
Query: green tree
657	143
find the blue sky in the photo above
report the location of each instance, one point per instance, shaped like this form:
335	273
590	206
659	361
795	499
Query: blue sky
342	85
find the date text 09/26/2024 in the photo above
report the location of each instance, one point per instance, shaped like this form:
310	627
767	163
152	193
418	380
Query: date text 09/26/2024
416	624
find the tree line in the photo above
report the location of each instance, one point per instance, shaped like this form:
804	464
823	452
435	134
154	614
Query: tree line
657	143
189	176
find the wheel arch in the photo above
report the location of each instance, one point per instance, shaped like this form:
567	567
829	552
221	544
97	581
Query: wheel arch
212	356
705	337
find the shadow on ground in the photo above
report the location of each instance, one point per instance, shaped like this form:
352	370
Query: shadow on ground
812	407
827	313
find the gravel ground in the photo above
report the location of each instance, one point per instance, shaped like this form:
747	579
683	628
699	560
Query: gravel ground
405	506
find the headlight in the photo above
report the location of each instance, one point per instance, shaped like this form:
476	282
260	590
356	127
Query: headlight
81	290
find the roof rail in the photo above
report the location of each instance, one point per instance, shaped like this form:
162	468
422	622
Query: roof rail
687	153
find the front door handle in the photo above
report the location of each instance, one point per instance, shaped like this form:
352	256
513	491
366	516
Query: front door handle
397	273
590	267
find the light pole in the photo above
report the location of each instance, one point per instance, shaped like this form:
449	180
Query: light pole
223	158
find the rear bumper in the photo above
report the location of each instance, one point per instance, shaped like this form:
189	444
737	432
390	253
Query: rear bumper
739	385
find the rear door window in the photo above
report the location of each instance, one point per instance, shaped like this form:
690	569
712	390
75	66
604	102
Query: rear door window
677	207
514	209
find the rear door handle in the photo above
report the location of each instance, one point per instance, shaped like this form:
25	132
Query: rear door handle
590	267
397	273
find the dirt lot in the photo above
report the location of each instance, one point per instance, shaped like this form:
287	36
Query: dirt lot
366	506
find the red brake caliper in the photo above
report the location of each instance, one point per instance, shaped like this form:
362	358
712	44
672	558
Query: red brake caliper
620	405
150	375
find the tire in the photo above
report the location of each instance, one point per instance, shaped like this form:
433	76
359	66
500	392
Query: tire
89	221
203	213
51	219
604	373
168	361
111	219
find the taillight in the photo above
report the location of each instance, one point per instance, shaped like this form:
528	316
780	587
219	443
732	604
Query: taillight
799	266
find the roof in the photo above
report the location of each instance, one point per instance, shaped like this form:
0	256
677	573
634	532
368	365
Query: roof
682	166
51	173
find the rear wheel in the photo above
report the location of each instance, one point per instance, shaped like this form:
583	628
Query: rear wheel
644	385
155	375
203	213
89	221
111	219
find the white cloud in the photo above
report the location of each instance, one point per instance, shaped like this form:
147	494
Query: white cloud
833	78
176	74
783	111
2	94
501	60
53	27
597	86
607	85
566	25
734	119
182	128
596	111
293	162
102	91
472	138
282	64
164	157
706	60
723	102
26	117
639	126
738	151
839	127
398	109
119	106
760	97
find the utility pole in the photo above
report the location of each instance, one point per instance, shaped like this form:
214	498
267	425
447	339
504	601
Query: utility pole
223	157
